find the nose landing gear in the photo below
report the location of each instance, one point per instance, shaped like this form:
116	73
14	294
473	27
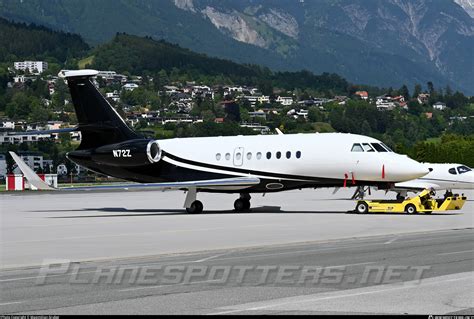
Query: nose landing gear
192	205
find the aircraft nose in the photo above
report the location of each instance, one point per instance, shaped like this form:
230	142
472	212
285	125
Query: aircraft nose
407	169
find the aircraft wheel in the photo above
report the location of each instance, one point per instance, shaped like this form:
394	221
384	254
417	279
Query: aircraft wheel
241	205
410	209
247	205
196	207
362	208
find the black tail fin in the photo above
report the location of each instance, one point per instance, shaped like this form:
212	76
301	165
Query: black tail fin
99	123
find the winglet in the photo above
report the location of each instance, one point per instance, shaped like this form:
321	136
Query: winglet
279	132
30	175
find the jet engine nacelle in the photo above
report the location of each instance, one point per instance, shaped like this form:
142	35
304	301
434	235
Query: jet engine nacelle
128	153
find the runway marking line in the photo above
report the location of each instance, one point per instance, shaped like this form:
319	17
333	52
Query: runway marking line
210	257
391	240
456	252
406	286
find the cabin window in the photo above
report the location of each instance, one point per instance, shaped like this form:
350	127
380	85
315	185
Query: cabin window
379	147
249	156
368	148
238	156
452	171
357	148
269	155
288	155
298	154
278	155
259	155
227	156
218	156
463	169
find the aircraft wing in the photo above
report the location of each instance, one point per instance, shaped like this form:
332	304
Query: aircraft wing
237	182
416	185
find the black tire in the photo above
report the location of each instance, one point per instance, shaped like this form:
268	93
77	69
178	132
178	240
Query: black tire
247	205
410	209
362	208
241	205
196	207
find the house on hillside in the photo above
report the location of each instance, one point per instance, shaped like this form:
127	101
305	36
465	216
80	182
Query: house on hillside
423	98
130	86
439	106
364	95
285	100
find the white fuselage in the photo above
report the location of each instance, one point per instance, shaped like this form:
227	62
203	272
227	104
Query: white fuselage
324	155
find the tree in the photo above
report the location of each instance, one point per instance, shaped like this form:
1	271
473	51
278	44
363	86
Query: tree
417	90
404	92
430	86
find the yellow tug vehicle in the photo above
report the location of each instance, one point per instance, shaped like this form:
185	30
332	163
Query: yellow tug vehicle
423	203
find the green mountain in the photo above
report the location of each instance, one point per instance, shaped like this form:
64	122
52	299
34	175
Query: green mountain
21	41
377	42
143	55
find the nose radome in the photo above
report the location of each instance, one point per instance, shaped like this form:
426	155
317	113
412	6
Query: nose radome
414	169
406	169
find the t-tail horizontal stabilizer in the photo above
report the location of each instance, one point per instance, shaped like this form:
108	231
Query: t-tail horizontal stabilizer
30	175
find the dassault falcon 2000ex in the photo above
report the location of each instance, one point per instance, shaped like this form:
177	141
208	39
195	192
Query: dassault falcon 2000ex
236	164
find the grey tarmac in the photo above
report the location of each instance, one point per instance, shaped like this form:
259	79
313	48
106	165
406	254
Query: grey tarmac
289	231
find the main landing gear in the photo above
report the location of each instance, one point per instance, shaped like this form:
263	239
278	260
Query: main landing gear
193	206
243	203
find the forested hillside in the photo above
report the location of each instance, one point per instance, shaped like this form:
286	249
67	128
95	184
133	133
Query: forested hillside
143	55
19	41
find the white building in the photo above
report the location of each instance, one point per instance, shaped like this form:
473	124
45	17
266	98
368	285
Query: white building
3	166
284	100
34	67
26	138
130	86
113	96
35	161
385	102
439	106
8	124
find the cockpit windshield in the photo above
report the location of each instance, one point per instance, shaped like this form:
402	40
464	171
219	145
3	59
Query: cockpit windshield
388	148
463	169
357	148
370	147
379	147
